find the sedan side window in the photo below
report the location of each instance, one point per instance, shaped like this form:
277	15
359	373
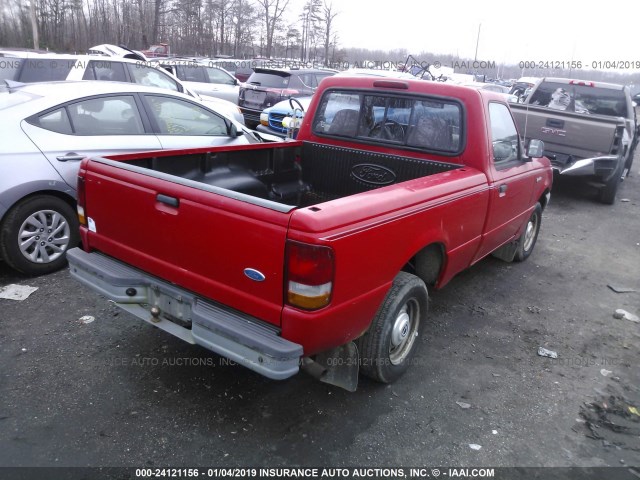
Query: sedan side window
504	135
56	121
178	117
152	77
116	115
218	76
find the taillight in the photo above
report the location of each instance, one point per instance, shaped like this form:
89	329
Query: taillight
284	92
81	192
309	275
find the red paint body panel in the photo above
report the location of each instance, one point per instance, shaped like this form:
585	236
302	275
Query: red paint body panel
205	246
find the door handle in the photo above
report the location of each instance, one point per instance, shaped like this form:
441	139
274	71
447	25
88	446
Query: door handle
502	190
71	156
167	200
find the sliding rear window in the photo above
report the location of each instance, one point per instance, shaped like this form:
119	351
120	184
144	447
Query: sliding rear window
432	124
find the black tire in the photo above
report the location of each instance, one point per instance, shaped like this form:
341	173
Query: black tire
390	343
629	163
607	194
529	237
56	234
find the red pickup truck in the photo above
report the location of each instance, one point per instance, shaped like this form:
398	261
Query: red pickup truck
316	254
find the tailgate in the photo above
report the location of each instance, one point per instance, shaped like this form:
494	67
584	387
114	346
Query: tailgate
568	133
203	241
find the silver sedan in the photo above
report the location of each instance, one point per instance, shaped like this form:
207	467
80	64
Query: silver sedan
49	127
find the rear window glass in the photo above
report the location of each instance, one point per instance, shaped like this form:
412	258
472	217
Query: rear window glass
580	99
269	80
9	68
56	121
106	71
45	70
429	124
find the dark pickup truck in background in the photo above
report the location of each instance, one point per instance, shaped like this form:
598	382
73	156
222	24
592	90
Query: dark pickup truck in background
588	128
316	253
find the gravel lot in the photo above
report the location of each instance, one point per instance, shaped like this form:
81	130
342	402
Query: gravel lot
118	392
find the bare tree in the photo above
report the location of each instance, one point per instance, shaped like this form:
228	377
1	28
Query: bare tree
34	24
310	23
273	10
328	14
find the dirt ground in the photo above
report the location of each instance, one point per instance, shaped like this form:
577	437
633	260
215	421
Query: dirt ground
118	392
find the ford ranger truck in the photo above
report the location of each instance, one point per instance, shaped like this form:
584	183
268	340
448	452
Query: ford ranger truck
588	128
316	253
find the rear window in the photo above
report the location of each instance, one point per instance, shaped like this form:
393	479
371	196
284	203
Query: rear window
9	68
413	122
581	99
45	70
269	80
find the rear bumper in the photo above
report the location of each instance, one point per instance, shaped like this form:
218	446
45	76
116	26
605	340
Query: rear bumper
229	333
603	167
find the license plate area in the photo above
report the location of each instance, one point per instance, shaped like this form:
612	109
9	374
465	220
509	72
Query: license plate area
169	305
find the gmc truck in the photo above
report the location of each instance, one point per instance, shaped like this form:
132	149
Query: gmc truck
588	128
315	254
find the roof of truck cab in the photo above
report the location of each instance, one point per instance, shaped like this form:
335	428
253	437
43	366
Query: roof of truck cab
401	85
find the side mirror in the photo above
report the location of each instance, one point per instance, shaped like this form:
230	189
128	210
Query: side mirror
234	132
535	149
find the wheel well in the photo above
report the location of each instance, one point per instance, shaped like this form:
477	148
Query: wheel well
543	199
427	263
52	193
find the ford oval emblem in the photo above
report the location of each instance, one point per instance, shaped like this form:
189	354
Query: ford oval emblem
254	274
373	174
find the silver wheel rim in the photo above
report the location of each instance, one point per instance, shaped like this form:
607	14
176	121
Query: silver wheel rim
44	236
404	331
530	232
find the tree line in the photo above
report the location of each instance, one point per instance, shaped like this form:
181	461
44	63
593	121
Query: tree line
296	29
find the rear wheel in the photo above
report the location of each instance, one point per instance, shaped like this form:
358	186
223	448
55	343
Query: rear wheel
387	348
607	194
527	240
37	233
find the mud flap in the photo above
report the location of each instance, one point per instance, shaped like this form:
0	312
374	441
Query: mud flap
507	252
338	366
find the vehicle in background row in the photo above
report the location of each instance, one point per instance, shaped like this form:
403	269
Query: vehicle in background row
203	77
118	51
272	118
49	127
589	129
316	254
154	51
266	87
54	67
241	69
493	87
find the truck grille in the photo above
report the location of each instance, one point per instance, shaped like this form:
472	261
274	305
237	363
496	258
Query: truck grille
275	122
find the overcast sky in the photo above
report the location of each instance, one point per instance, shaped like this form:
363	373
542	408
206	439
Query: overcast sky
511	31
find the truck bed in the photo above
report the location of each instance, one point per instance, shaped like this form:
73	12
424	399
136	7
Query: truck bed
298	174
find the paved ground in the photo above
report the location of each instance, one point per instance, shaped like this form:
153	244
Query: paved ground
117	392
